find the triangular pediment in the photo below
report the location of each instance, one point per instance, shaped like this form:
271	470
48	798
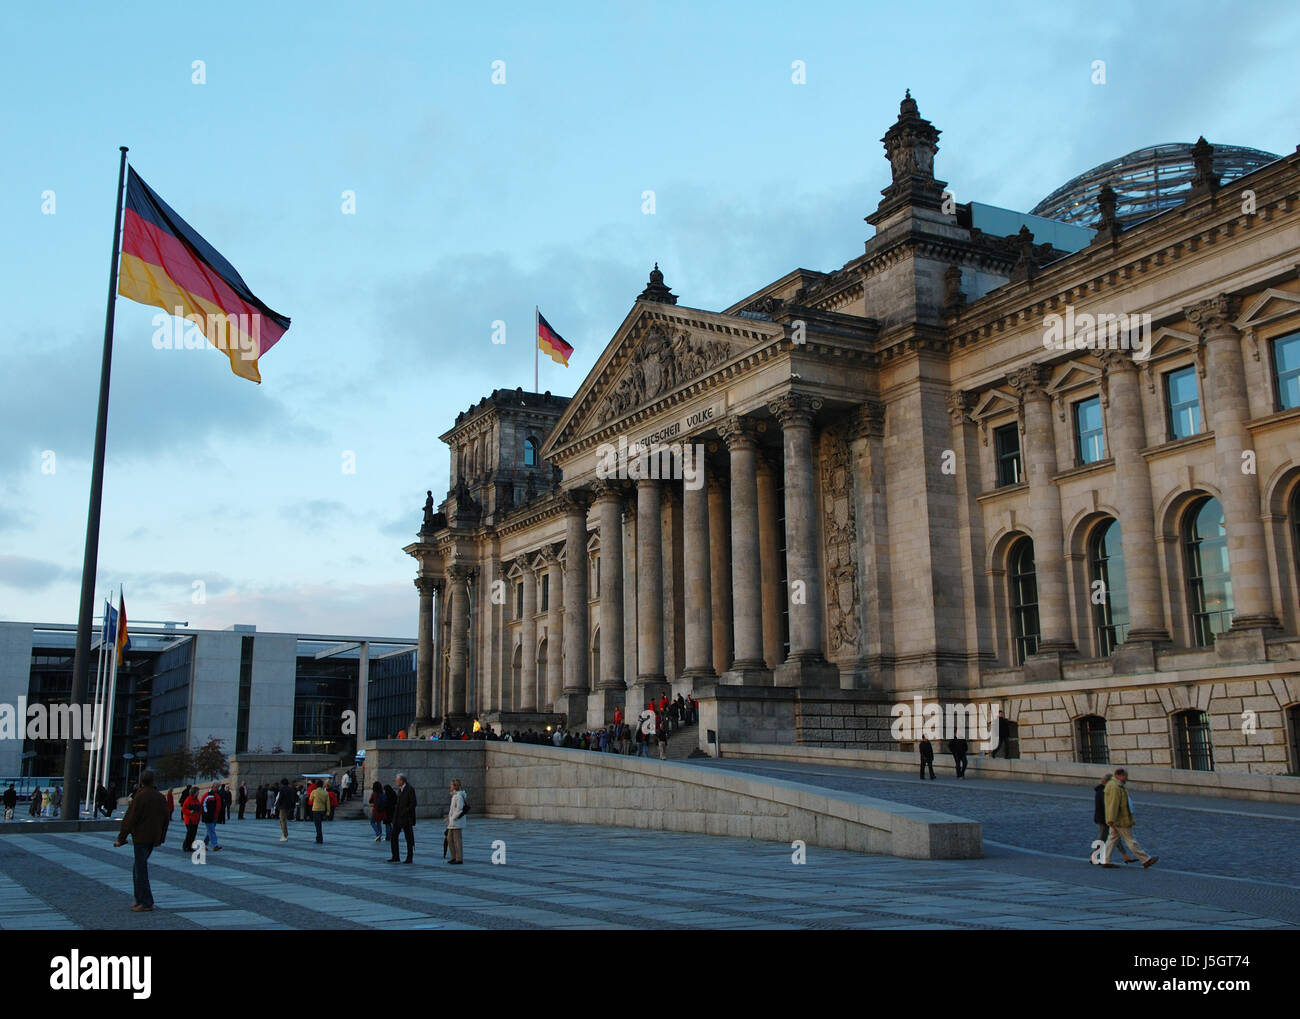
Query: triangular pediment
1265	307
658	350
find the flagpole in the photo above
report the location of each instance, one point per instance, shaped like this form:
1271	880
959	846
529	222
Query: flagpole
106	754
81	660
537	332
99	720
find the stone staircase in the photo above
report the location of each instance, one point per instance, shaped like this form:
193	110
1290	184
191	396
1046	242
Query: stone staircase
682	743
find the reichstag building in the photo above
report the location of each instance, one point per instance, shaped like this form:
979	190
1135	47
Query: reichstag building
1050	465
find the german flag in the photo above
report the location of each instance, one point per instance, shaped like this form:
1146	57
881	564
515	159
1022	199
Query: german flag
165	263
552	343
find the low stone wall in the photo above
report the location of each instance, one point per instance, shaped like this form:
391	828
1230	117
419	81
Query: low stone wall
1235	785
55	827
268	769
579	787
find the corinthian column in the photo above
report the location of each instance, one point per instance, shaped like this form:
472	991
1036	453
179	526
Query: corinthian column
458	680
575	594
696	565
1126	438
1044	509
528	658
609	506
427	587
806	663
554	630
649	583
741	437
1252	597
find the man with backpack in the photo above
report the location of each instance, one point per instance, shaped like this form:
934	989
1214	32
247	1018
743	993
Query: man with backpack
211	807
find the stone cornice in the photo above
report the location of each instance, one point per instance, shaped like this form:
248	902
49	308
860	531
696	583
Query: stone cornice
1146	248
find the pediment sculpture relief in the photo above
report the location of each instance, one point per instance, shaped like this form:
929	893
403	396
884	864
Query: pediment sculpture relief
663	361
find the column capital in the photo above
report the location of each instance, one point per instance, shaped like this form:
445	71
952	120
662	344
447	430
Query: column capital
1213	315
548	556
574	501
740	432
428	586
1116	360
960	404
867	420
461	571
794	410
610	490
1030	382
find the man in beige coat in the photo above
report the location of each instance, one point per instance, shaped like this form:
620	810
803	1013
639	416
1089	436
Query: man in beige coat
455	822
1119	819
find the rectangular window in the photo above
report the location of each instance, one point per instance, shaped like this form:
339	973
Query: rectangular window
1286	367
1183	403
546	591
519	600
1006	444
1090	438
245	694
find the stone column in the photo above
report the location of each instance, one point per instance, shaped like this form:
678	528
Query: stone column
427	587
875	620
554	629
1229	405
769	553
649	583
576	637
806	663
1126	438
609	504
696	567
528	643
741	437
720	573
1039	455
974	602
458	680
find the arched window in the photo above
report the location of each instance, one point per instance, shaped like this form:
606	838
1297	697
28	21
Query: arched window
1090	738
1293	512
530	452
1193	750
1109	593
1024	599
1293	727
1208	578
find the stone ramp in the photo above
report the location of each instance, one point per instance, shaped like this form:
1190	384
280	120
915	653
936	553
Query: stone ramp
549	784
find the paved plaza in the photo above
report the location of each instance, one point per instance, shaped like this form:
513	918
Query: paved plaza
1223	864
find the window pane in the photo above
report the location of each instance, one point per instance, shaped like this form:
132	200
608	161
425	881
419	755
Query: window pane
1286	358
1006	442
1209	578
1090	437
1111	614
1184	403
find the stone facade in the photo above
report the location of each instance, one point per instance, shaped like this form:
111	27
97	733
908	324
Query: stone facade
967	468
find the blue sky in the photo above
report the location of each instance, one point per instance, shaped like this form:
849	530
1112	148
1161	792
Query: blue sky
474	201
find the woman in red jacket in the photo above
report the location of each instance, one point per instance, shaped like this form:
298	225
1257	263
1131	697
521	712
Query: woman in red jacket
190	811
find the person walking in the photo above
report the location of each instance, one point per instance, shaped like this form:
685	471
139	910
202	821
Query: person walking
243	798
1119	821
663	743
211	809
1004	737
404	819
456	823
11	801
645	727
191	810
320	806
34	807
334	798
927	757
145	823
345	787
1099	815
171	806
377	812
958	747
226	801
390	807
47	802
285	801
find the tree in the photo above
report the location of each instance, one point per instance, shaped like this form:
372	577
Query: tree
210	759
175	765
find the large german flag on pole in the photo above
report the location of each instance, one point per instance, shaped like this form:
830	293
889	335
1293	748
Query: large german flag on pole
552	343
165	263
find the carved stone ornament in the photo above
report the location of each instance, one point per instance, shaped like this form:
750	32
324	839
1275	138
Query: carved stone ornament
839	526
665	359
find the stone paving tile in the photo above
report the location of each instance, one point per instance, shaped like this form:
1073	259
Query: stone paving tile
679	881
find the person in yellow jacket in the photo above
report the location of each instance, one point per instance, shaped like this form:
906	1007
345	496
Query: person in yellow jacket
319	801
1119	819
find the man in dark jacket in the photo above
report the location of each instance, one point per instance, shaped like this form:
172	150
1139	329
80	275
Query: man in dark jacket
243	798
927	757
404	819
146	823
958	747
11	801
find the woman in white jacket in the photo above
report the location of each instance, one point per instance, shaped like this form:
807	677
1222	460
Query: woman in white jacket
455	822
